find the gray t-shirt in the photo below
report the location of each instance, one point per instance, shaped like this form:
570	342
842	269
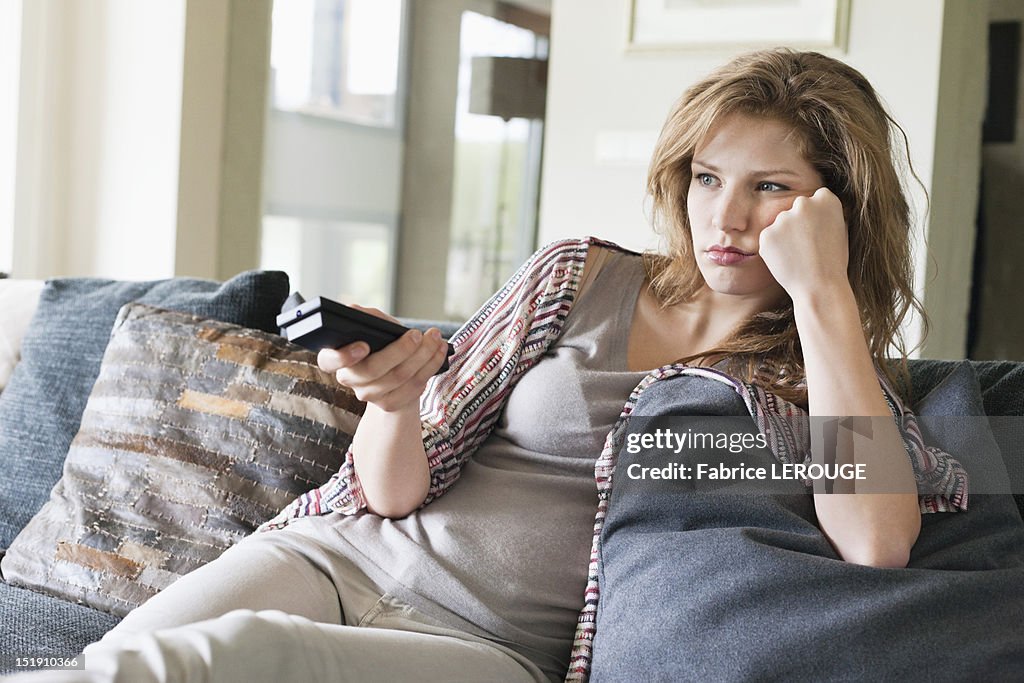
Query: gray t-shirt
504	553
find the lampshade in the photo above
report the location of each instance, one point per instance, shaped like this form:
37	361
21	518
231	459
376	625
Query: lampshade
509	87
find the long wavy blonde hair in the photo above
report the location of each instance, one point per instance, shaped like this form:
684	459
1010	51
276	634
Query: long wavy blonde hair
847	135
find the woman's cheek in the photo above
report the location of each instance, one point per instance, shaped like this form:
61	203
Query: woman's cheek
777	208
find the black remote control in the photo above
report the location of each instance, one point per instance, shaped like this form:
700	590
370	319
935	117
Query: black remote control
322	323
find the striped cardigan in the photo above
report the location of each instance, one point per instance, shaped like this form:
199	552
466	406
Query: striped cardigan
505	339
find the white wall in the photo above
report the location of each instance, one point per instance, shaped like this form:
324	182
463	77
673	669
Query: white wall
332	169
126	92
600	95
606	106
10	63
99	138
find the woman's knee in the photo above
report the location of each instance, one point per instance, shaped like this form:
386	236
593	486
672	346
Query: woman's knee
242	645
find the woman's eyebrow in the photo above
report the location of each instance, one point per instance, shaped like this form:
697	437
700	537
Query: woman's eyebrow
760	173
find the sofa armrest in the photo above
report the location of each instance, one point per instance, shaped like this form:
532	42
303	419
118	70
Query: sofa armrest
18	302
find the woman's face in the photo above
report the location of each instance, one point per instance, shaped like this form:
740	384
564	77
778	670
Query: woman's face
746	172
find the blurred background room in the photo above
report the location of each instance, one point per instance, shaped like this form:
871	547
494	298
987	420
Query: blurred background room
410	154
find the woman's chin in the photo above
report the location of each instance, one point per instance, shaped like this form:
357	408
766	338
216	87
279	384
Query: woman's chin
744	288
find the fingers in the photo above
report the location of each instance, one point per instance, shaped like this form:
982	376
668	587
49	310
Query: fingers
807	245
332	360
393	376
823	202
410	390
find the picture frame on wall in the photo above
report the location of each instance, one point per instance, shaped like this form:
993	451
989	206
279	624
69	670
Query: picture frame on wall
730	24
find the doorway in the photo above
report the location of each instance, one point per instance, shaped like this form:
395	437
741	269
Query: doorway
996	326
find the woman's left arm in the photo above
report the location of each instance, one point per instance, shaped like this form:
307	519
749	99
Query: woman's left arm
807	251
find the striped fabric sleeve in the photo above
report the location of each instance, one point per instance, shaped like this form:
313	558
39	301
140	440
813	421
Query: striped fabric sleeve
492	351
459	408
941	480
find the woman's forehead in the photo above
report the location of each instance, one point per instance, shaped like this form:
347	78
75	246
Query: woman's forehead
747	141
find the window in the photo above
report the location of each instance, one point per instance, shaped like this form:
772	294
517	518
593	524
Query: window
337	74
337	58
342	260
497	175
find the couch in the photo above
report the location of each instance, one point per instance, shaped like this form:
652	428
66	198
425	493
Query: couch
55	355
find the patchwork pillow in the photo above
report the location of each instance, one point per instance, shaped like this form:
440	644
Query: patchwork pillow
195	433
60	357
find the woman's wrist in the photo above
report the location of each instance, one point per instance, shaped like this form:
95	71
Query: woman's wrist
390	460
825	297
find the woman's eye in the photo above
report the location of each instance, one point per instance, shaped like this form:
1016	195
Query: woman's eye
705	179
769	187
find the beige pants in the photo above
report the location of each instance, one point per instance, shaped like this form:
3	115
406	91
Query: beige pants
279	606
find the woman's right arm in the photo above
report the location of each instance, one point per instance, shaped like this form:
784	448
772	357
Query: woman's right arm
395	476
388	452
459	407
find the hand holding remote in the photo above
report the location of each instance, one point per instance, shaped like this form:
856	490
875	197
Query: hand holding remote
393	377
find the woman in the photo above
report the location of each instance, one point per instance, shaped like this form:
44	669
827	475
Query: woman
788	268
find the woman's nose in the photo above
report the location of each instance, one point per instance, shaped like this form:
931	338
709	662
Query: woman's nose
732	212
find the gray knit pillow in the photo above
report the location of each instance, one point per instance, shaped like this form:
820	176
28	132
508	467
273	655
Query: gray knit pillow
196	432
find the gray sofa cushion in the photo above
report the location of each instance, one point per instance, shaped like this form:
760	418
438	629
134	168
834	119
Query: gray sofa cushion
37	625
1002	392
739	586
1001	382
42	406
953	414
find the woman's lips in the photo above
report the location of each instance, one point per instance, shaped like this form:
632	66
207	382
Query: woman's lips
727	256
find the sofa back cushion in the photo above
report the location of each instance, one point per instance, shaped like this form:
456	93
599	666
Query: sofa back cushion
1001	384
196	432
42	405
